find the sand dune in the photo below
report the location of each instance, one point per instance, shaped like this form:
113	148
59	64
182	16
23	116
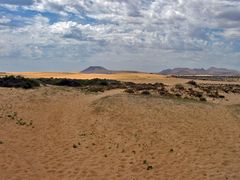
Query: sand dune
136	77
113	135
132	77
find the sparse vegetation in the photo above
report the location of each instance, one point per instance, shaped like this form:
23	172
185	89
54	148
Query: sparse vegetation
129	91
196	92
149	167
95	89
179	87
203	99
18	82
178	95
19	121
145	93
79	82
211	78
193	83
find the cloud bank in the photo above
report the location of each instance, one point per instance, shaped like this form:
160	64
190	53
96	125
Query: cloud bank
144	35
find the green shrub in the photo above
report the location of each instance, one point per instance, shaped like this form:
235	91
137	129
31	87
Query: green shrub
18	82
145	93
203	99
95	89
80	82
129	91
149	167
192	83
179	87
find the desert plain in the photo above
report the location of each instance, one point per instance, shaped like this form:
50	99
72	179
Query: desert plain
54	132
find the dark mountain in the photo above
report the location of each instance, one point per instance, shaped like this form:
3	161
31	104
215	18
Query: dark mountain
102	70
222	71
182	71
211	71
97	70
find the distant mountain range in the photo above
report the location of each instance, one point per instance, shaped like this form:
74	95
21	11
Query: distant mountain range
176	71
211	71
102	70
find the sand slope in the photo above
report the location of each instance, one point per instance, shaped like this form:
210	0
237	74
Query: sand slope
129	77
117	136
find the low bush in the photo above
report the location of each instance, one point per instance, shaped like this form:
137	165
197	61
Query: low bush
178	95
145	93
18	82
203	99
80	82
179	87
221	96
129	91
95	89
149	168
197	94
193	83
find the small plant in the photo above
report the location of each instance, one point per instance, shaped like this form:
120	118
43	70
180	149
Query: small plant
74	146
20	122
213	94
1	142
12	116
149	168
179	87
129	91
30	124
197	94
178	95
145	93
221	96
95	89
203	99
193	83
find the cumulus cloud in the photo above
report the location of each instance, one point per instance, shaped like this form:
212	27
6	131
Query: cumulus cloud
208	27
231	14
17	2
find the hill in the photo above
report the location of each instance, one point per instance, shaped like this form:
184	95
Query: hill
102	70
97	70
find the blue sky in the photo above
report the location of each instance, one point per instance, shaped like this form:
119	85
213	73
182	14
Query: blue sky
146	35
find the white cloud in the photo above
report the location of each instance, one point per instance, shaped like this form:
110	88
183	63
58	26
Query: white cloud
190	26
4	20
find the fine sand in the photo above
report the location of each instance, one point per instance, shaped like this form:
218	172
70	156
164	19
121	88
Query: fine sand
62	133
132	77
